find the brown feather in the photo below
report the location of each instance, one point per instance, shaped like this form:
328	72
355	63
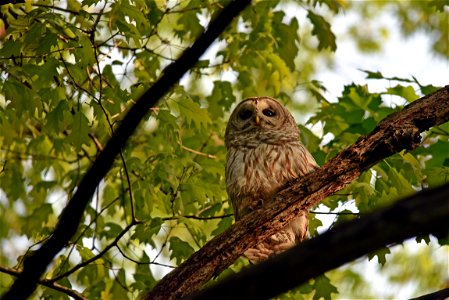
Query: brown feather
261	157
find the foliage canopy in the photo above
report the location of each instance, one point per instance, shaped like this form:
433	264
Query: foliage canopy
70	70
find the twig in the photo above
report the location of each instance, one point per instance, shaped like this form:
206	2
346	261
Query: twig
140	262
197	217
96	257
198	152
335	213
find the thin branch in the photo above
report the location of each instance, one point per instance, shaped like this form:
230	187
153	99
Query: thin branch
53	285
65	9
94	221
75	83
163	245
197	217
140	262
335	213
3	166
96	257
198	152
59	50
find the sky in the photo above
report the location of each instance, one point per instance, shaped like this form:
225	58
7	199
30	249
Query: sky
401	57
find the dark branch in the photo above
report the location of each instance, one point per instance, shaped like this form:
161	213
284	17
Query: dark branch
398	131
438	295
424	213
55	286
35	265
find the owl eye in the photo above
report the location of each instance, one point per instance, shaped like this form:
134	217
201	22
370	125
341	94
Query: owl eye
268	112
245	114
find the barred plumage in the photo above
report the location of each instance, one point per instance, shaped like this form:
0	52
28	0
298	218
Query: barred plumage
264	153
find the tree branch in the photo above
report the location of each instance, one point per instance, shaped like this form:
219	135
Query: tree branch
438	295
400	130
35	265
55	286
96	257
423	213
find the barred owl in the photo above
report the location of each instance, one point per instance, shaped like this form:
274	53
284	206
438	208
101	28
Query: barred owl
263	153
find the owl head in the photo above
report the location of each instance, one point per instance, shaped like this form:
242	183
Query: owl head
260	119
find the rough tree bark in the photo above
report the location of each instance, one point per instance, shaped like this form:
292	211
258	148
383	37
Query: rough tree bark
400	130
35	264
423	213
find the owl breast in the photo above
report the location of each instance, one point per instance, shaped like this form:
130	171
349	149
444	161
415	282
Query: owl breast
254	174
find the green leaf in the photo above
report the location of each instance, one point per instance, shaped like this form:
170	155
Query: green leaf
145	232
211	211
314	223
144	279
373	75
323	288
192	113
438	152
322	30
111	230
180	250
381	255
118	290
424	238
188	24
33	38
34	223
79	134
286	36
221	99
21	96
84	252
85	55
406	92
224	224
56	119
193	192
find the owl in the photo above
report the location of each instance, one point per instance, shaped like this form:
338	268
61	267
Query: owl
263	153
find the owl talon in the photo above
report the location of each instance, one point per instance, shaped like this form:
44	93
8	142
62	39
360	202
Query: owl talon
282	237
255	255
282	247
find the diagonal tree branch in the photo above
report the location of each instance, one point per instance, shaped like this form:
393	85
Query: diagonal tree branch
423	213
35	265
400	130
438	295
56	286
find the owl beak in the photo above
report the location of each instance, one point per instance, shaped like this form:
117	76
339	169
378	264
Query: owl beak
257	120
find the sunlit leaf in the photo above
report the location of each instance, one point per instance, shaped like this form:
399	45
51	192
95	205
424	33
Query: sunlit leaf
181	250
322	30
323	288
